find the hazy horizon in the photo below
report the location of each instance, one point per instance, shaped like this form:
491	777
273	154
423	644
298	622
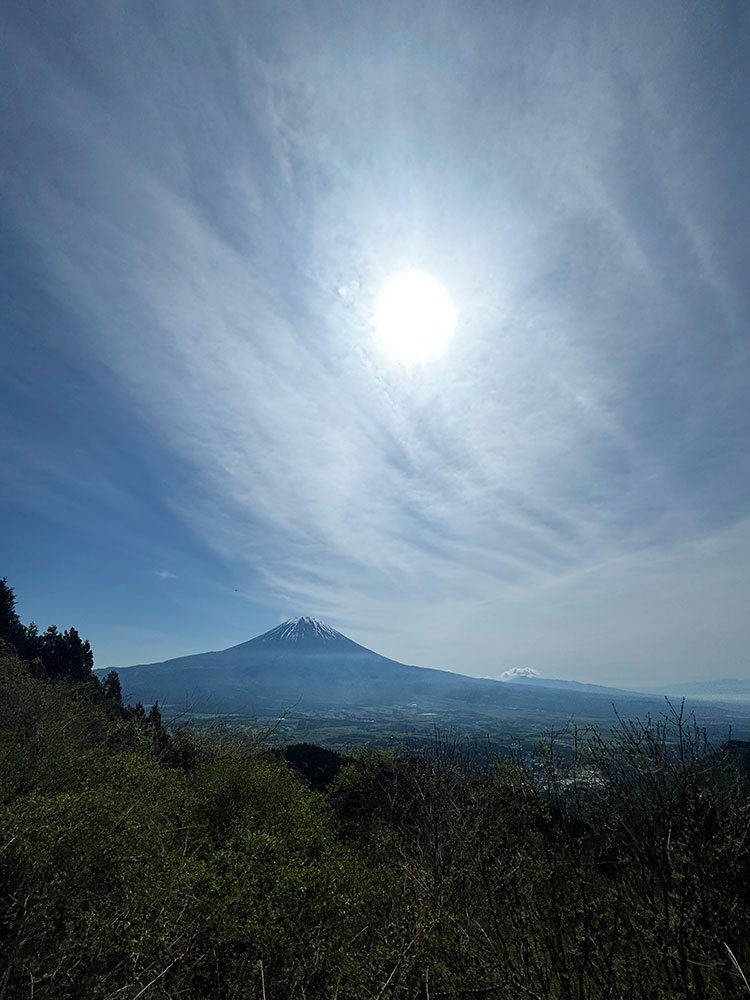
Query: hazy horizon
669	685
205	428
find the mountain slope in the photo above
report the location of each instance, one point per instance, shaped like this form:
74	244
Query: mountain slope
306	665
300	662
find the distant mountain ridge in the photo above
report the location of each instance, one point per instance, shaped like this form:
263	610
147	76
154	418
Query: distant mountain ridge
721	689
565	685
305	665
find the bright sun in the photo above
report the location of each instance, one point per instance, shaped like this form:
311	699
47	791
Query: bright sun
414	317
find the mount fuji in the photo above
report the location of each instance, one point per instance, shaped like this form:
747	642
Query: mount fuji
302	662
304	665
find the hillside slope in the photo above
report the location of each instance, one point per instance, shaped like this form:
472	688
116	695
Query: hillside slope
306	665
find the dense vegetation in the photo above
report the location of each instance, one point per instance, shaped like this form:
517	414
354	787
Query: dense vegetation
140	863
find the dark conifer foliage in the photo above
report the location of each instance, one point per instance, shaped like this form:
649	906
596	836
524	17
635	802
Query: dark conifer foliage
111	689
56	654
11	629
64	654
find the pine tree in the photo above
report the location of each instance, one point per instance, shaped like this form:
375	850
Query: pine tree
11	628
111	692
65	654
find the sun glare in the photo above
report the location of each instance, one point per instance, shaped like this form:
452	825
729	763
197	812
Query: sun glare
414	317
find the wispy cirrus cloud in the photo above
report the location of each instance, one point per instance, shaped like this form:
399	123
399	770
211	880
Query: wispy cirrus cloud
223	253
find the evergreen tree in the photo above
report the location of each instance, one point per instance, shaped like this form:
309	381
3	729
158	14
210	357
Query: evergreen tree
111	691
11	628
154	716
65	654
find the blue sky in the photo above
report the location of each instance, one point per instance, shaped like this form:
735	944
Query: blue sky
199	435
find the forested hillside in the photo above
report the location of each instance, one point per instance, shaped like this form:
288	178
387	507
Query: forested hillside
137	862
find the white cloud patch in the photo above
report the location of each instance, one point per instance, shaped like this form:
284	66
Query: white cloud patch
164	574
515	673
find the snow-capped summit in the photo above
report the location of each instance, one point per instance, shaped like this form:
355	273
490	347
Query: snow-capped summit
302	630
